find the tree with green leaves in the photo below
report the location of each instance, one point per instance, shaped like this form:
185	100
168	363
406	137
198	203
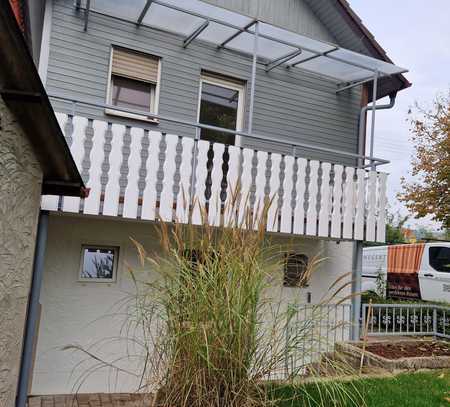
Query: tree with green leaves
394	226
429	192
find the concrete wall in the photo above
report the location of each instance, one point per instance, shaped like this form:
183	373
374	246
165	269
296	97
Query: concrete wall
93	315
20	190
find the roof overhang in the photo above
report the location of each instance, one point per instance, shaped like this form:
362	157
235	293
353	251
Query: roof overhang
194	19
24	94
366	41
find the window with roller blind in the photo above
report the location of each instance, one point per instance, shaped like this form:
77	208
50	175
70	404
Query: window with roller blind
134	83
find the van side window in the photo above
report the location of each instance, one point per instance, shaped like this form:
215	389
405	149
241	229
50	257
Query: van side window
440	258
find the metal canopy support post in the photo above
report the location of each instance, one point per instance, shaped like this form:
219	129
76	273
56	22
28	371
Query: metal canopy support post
86	14
253	79
239	32
143	12
322	54
195	34
356	290
285	58
362	82
374	109
355	64
354	84
32	311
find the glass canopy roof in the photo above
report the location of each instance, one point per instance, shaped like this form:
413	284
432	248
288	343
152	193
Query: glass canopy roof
195	19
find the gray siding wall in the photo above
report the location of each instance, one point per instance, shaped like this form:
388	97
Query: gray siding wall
292	105
294	15
336	23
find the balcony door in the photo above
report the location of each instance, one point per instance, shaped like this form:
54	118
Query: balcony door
221	104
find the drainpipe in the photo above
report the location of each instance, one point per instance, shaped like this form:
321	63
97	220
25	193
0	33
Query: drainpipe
358	246
362	126
356	289
32	311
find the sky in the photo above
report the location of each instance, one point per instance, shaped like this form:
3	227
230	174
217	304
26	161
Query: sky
416	35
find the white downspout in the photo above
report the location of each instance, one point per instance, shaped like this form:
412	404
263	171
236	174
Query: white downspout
362	122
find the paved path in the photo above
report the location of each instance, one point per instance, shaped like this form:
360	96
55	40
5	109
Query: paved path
90	400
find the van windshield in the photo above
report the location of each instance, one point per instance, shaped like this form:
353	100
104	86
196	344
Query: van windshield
440	258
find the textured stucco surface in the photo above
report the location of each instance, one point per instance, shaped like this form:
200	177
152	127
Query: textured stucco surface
20	190
93	315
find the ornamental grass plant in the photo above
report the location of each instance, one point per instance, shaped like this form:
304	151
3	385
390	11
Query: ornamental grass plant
213	327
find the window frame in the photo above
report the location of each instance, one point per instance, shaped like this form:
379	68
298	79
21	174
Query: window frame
114	110
221	80
113	247
295	282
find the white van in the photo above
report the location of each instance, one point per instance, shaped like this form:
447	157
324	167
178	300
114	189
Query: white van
408	271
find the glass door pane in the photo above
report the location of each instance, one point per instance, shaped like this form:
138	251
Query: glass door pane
218	107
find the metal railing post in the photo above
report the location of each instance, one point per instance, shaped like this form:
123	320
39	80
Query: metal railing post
253	80
286	348
435	322
356	290
194	170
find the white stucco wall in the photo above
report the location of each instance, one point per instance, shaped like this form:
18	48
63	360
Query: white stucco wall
20	197
91	314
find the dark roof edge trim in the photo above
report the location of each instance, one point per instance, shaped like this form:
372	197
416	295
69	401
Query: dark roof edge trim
34	112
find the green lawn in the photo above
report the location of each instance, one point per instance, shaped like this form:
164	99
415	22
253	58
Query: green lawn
422	389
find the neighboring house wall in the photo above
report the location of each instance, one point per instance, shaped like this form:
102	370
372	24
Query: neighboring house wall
93	315
36	11
293	105
20	191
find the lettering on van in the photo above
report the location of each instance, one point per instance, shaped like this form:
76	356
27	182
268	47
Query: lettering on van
446	288
403	285
373	257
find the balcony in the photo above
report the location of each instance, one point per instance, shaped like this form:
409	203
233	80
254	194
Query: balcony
133	173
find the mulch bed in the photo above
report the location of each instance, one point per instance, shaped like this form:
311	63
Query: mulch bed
409	349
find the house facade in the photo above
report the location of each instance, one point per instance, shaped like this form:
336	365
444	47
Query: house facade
34	160
167	107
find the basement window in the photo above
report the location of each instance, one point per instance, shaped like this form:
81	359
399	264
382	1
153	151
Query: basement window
134	84
98	263
295	270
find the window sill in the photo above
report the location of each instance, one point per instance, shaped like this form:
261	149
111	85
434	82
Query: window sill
96	281
147	119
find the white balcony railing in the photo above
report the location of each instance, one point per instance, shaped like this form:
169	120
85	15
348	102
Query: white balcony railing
148	175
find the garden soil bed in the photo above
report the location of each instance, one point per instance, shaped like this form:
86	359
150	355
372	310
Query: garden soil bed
408	349
397	355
